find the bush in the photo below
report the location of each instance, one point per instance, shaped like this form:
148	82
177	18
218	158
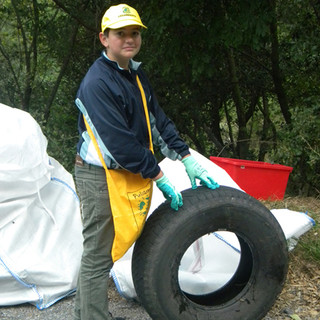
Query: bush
299	147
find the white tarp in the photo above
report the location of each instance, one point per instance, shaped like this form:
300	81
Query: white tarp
40	224
212	260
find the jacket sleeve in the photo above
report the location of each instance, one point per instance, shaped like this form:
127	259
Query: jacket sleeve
164	132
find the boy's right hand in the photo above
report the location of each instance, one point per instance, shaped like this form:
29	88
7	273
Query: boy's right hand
170	192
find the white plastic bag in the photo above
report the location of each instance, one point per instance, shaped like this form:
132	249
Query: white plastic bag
40	224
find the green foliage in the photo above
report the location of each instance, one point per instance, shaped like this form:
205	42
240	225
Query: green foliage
299	147
209	62
192	45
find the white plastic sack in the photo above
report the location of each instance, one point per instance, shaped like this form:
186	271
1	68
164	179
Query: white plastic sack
212	260
294	224
40	224
24	163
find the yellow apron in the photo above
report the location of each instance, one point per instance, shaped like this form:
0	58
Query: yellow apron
130	196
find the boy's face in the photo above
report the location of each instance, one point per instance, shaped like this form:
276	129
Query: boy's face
122	44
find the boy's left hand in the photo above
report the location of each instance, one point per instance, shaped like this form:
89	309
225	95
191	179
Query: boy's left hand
196	171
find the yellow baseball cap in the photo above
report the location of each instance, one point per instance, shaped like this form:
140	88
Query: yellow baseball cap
120	16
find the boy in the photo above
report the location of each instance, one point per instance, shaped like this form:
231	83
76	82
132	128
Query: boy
109	97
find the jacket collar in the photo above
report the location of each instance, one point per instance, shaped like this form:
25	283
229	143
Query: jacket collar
133	65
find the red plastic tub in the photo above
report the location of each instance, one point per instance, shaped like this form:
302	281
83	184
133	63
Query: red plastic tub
261	180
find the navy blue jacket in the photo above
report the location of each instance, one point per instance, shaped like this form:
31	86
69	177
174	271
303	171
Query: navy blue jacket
111	102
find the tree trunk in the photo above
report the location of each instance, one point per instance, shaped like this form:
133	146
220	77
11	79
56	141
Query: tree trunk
278	78
266	137
61	73
243	139
230	129
30	53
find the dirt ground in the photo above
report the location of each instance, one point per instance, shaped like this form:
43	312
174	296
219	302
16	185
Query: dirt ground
299	300
301	294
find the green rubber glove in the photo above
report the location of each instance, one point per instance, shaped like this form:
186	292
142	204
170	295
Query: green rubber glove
196	171
170	192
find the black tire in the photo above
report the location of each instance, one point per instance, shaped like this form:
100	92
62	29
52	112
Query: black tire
257	281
